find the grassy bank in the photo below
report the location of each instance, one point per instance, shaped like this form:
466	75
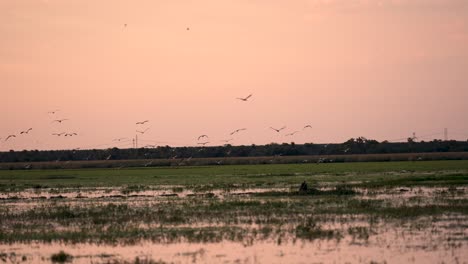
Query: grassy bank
376	173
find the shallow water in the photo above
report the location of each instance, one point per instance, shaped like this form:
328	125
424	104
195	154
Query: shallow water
428	239
82	193
393	246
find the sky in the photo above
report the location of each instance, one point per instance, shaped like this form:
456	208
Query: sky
381	69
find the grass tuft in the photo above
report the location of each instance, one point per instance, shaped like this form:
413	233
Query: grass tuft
61	257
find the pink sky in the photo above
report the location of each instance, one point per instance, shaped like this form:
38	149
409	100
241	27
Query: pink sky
374	68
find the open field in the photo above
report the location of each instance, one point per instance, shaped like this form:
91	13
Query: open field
379	212
67	163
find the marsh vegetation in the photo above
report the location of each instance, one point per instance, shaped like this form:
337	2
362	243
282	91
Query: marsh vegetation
355	212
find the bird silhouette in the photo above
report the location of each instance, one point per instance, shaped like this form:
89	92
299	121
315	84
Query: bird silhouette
227	140
53	112
142	122
142	132
237	131
202	136
119	139
308	126
71	134
278	130
58	134
59	120
26	132
292	134
10	136
244	99
203	143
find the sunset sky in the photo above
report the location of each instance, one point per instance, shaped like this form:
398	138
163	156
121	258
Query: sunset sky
381	69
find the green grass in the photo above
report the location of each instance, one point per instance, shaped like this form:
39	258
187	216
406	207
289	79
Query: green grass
379	173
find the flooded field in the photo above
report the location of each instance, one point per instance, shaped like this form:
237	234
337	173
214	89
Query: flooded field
406	212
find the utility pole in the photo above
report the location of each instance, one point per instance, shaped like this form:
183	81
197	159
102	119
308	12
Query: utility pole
445	134
136	140
133	143
414	136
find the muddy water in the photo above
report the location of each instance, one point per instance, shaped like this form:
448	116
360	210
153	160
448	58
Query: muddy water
406	193
391	247
69	193
444	241
119	193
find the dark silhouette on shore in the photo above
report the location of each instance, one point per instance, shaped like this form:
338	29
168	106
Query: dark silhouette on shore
303	187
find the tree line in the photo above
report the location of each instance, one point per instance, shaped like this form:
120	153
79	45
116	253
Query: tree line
359	145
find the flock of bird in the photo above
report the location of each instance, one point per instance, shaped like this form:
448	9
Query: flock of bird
245	99
141	128
60	121
21	133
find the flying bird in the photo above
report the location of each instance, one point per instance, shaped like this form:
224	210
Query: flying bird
26	132
119	139
237	131
244	99
58	134
71	134
59	120
10	136
142	122
142	132
202	136
278	130
203	143
308	126
53	112
292	134
227	140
